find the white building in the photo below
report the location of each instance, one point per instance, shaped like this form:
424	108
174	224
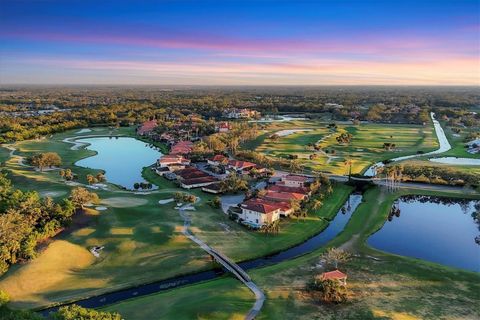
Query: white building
294	180
258	212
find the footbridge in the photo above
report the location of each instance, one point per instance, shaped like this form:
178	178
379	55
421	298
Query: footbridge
229	265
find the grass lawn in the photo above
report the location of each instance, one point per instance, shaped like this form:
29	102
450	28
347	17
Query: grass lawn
227	299
387	287
142	239
457	141
365	149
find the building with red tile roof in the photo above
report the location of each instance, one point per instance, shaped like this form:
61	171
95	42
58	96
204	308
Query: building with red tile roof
182	147
334	275
283	188
147	127
293	180
283	196
217	160
172	159
259	212
239	165
223	126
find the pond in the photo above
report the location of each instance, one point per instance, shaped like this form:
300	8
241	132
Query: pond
440	230
457	161
279	118
121	158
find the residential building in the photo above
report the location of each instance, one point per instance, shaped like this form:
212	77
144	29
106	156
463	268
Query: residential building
283	196
235	113
198	182
242	166
258	212
223	127
172	159
217	160
214	188
293	180
182	147
282	188
147	127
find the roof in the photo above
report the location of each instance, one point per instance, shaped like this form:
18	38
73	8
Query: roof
218	158
281	188
333	275
295	177
172	159
224	125
260	205
240	164
147	126
181	147
283	196
214	186
199	180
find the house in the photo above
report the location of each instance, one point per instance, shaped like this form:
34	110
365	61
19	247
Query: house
190	173
238	165
223	127
283	196
473	146
162	170
217	160
240	113
336	275
172	159
198	182
181	147
147	127
293	180
214	188
258	212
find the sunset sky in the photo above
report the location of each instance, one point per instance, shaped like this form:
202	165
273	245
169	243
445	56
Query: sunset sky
240	42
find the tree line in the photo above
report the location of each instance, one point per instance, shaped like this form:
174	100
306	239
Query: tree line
26	219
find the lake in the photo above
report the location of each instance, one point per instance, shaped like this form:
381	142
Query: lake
457	161
121	158
440	230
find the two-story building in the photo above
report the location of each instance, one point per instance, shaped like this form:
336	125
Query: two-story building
259	212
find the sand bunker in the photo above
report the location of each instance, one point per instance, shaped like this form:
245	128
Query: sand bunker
52	193
85	130
124	202
285	133
101	208
165	201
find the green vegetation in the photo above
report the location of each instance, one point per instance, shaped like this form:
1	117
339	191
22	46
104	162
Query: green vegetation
223	299
381	285
25	221
320	149
139	236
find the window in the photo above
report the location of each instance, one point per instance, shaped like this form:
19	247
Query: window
256	220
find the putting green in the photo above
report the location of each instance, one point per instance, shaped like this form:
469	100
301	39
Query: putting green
124	202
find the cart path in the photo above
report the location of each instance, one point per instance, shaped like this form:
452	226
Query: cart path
229	265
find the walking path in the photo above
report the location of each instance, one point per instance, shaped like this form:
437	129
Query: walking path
229	265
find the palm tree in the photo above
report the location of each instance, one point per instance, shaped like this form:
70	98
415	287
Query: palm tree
348	162
91	179
316	204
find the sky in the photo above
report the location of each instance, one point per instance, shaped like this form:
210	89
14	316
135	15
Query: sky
324	42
